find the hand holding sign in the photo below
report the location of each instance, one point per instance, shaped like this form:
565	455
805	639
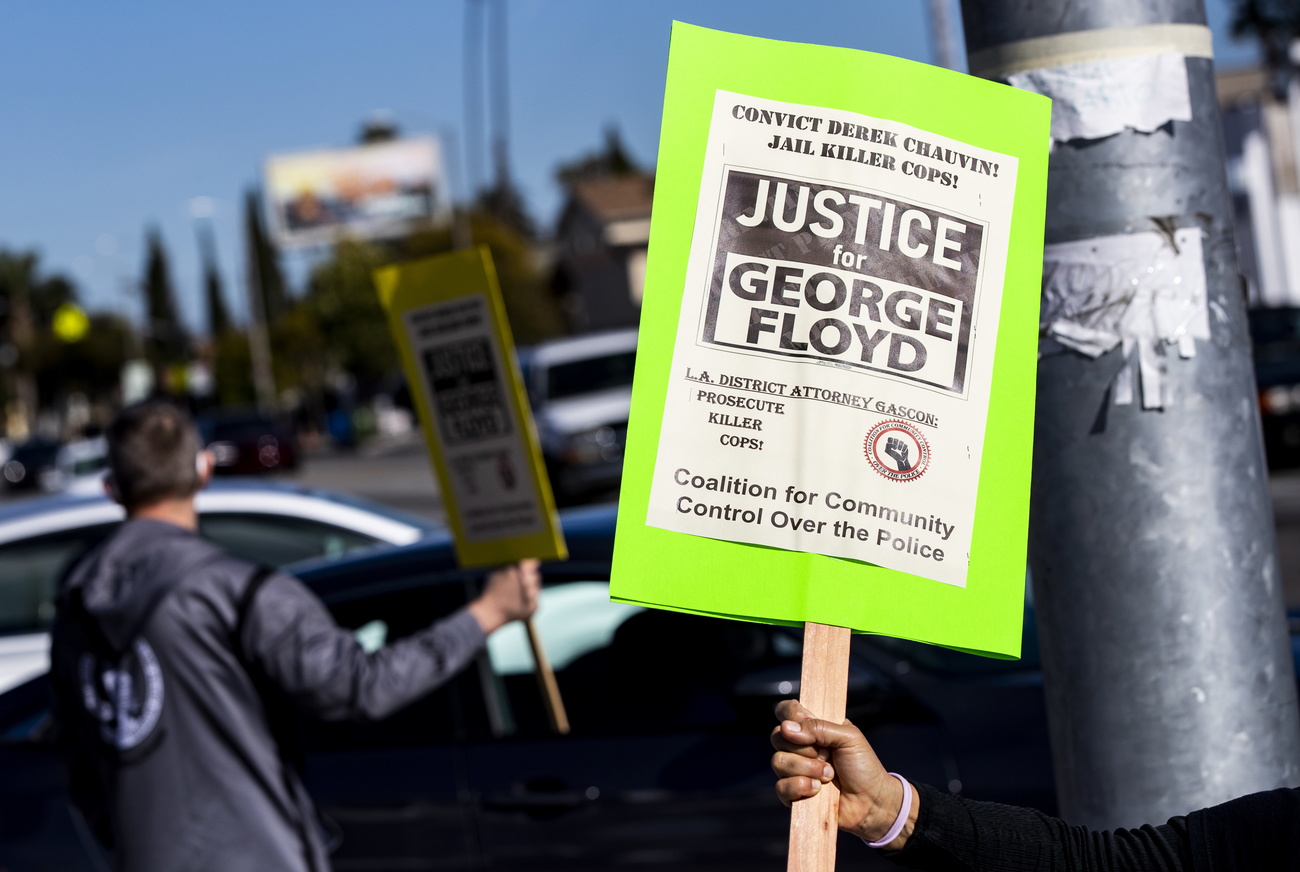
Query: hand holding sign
812	753
510	594
450	325
832	416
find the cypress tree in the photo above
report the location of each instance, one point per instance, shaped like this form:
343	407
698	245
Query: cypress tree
167	339
218	314
263	261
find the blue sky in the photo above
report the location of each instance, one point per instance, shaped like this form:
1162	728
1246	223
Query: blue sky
114	116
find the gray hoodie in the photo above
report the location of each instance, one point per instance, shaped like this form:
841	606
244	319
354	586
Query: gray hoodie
169	668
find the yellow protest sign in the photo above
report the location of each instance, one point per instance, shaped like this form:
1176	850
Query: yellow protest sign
450	326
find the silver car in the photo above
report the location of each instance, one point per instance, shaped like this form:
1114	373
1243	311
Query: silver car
266	522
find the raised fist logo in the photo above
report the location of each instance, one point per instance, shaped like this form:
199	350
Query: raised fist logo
897	449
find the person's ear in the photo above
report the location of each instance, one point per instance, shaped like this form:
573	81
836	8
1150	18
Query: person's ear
110	488
203	465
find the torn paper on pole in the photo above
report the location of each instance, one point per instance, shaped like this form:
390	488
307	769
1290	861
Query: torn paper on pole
1145	290
1100	98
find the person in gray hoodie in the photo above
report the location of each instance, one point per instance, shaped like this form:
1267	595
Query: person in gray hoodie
176	666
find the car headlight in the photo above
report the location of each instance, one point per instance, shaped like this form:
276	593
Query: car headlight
224	453
1280	399
597	445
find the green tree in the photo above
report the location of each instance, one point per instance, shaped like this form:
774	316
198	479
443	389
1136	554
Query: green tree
167	342
531	309
232	369
612	160
263	261
92	365
503	203
339	324
28	300
342	302
218	315
41	366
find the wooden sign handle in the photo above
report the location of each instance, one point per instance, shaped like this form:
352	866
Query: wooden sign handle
555	712
823	690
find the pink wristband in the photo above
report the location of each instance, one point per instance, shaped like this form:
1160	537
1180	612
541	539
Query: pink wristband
901	820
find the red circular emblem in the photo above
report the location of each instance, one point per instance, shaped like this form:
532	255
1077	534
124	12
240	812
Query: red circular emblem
897	450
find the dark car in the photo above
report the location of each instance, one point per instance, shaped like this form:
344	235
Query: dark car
29	463
248	443
667	764
1275	337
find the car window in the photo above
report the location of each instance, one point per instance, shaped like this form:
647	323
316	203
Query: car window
276	540
88	465
30	570
453	712
590	375
577	619
624	668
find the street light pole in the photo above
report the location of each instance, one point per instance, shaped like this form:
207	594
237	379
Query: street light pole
1168	673
941	34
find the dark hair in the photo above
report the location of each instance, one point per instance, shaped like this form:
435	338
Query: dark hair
152	451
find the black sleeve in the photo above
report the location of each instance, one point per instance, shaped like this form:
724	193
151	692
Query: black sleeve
1256	832
291	636
962	835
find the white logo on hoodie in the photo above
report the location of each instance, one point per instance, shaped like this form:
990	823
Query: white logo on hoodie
126	699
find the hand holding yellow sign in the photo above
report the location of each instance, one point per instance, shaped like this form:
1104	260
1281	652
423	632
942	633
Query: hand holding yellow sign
454	341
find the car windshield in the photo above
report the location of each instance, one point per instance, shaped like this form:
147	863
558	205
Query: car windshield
237	428
590	375
89	465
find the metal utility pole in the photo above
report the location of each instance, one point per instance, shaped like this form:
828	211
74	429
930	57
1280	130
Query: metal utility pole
941	34
1168	674
500	63
473	97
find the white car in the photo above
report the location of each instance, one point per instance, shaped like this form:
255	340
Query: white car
79	468
581	390
266	522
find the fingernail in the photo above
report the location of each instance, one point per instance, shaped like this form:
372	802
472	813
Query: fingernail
827	772
817	786
793	726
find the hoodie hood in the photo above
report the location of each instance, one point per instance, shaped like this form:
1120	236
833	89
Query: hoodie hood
124	578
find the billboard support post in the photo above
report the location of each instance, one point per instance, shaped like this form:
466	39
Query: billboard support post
259	343
1159	602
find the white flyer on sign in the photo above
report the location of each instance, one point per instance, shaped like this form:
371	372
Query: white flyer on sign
462	375
830	377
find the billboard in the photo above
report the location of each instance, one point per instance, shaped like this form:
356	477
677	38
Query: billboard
369	192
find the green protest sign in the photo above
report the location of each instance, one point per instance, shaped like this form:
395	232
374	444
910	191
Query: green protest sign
833	408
